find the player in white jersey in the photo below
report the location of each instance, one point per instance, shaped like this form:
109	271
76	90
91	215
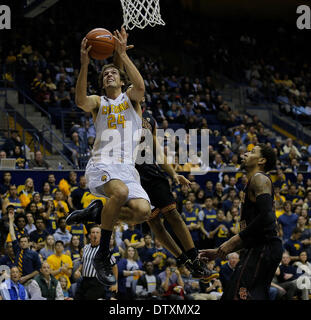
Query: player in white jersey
111	172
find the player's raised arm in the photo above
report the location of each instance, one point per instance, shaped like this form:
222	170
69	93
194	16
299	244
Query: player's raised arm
86	103
137	91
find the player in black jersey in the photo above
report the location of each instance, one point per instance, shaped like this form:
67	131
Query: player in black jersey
156	184
262	248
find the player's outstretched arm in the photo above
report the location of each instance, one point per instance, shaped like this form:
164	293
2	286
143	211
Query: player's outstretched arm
135	93
84	102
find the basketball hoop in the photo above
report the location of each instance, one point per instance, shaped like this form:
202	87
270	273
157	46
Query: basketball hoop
140	13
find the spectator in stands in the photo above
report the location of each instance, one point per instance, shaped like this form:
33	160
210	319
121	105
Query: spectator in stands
294	246
28	189
37	201
2	154
191	219
12	289
74	248
45	286
305	234
209	189
220	229
21	162
159	112
49	247
8	258
50	217
117	251
32	208
10	143
52	182
287	221
133	237
62	234
38	161
30	226
145	253
79	230
13	200
46	194
27	261
227	269
67	292
60	263
130	269
287	278
62	97
305	266
38	236
72	180
77	195
19	222
6	182
148	285
159	256
76	148
289	146
172	282
174	113
217	163
227	203
60	205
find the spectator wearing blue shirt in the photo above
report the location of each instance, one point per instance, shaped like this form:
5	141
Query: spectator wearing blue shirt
191	218
228	268
130	268
39	235
208	214
8	258
12	289
287	277
227	204
27	261
133	237
242	182
145	253
294	246
287	221
209	188
292	194
220	229
187	111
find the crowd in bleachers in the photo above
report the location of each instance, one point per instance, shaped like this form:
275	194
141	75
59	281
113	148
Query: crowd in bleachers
211	212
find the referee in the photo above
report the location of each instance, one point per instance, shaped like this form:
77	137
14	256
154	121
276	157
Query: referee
90	288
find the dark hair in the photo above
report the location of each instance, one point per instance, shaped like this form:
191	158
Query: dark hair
59	241
123	76
93	226
270	156
61	219
23	236
296	230
40	218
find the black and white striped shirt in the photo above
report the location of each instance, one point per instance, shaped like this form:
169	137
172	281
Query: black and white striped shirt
89	253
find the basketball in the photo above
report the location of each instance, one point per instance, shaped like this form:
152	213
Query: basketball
102	43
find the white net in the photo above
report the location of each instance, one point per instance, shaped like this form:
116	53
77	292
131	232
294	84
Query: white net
140	13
